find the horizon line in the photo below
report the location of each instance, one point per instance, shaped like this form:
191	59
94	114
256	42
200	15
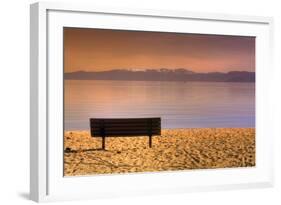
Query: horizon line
158	69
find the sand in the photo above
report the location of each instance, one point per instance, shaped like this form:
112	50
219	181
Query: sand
175	149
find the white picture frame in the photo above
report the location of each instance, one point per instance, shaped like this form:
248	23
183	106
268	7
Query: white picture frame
46	177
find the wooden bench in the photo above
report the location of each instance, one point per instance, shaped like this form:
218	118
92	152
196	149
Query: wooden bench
101	127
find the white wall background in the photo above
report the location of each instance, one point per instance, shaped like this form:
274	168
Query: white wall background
14	101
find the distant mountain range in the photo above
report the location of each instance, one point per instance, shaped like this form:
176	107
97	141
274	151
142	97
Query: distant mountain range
162	75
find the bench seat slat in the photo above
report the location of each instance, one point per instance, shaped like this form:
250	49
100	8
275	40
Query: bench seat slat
123	130
124	134
107	129
126	126
123	119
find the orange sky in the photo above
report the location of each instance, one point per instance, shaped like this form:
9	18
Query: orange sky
99	49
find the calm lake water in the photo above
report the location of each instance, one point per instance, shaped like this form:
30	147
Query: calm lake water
179	104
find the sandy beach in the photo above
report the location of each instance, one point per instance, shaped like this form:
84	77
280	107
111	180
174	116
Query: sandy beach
175	149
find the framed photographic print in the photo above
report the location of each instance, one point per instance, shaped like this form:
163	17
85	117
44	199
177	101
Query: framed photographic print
129	102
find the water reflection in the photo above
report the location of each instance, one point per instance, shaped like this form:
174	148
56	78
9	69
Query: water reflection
179	104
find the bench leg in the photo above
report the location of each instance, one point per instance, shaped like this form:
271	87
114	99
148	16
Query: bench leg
103	143
150	141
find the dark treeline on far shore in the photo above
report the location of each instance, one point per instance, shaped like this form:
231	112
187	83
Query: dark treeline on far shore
162	75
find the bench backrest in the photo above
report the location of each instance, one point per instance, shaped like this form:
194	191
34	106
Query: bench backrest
125	127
